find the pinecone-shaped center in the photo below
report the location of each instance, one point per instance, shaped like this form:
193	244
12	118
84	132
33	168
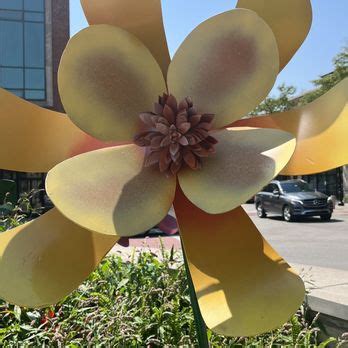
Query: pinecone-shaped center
177	135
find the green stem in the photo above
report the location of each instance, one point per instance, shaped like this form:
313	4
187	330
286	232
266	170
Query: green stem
199	322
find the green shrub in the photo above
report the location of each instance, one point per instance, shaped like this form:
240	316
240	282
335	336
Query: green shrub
141	302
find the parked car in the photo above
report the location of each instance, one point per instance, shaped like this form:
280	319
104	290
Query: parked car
293	199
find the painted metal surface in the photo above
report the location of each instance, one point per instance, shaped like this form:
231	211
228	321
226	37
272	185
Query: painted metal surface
44	260
290	21
243	286
34	139
141	18
245	161
106	78
235	65
109	191
320	127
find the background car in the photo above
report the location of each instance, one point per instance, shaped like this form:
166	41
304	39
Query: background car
293	199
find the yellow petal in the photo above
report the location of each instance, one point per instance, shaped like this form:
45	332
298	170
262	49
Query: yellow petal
243	286
44	260
109	191
34	139
246	159
228	65
290	21
321	129
107	77
141	18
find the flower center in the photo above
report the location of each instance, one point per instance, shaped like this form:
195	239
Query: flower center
177	135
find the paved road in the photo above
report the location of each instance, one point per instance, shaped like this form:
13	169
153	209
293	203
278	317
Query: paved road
310	242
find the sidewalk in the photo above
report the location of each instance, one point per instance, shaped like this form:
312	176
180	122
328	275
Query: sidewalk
327	289
327	294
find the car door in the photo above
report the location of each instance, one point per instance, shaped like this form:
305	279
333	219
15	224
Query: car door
277	201
266	198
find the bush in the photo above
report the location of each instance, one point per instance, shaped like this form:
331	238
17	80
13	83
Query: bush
139	302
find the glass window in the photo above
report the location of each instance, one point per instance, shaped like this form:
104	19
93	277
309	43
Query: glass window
274	187
11	4
34	45
34	5
11	44
34	95
33	17
295	186
35	78
267	188
18	93
11	78
16	15
22	48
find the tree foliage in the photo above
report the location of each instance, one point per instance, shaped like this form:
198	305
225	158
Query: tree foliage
286	99
284	102
326	82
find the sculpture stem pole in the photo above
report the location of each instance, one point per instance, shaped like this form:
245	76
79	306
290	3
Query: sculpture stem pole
199	322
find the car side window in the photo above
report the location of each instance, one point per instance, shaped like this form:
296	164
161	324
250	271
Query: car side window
267	188
273	187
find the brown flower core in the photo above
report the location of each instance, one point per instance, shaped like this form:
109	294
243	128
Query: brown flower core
177	135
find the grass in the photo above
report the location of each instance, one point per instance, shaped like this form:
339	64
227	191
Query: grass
143	302
139	302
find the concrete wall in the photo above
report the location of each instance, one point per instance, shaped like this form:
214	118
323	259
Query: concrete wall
60	37
57	26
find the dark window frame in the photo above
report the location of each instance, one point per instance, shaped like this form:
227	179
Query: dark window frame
24	91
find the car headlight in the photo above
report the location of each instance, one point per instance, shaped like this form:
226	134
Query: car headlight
296	201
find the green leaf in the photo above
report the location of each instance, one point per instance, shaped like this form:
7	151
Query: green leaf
327	342
122	283
17	313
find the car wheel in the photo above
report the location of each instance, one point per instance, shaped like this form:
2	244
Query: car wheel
260	211
326	217
287	215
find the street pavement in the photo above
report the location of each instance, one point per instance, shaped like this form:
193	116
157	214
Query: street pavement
308	242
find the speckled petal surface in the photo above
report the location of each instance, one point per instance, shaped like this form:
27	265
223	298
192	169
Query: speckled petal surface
44	260
109	191
321	129
141	18
227	65
246	159
106	78
290	21
34	139
243	286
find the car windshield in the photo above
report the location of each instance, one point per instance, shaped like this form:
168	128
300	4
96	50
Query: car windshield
299	186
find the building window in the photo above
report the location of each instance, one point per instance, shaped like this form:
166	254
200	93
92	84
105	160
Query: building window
22	48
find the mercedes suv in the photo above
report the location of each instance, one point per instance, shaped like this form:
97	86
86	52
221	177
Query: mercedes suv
292	199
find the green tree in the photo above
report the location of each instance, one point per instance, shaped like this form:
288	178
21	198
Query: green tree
286	99
326	82
283	102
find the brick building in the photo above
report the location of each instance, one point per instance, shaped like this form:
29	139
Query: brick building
33	35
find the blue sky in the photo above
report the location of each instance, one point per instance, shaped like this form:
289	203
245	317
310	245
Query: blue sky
328	34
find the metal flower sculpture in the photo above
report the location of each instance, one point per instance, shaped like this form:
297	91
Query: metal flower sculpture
178	151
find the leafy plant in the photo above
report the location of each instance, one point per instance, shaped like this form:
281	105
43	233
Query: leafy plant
141	301
13	215
326	82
